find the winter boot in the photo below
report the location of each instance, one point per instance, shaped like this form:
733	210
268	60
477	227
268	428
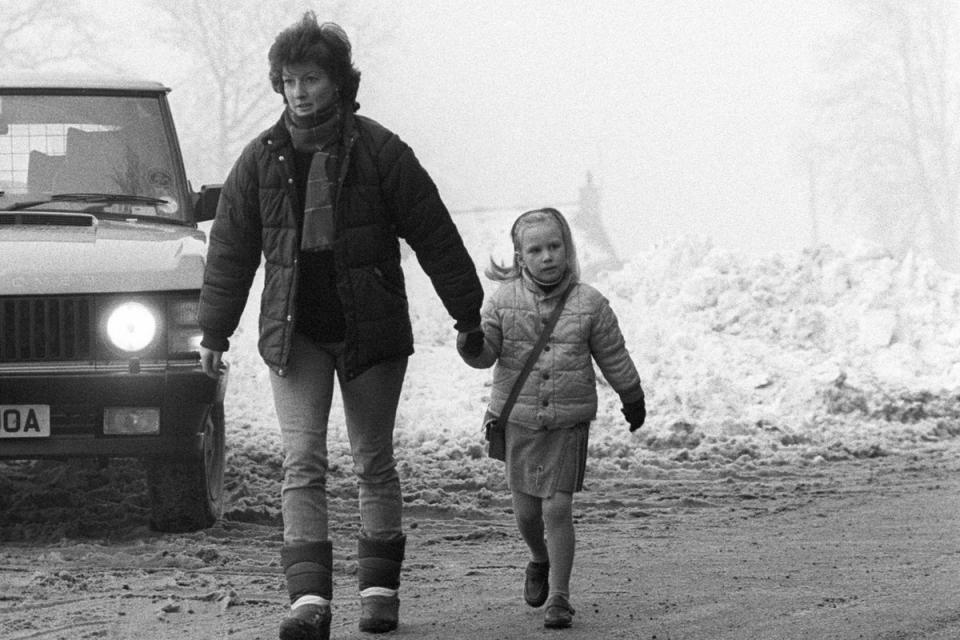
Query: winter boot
306	622
378	574
307	567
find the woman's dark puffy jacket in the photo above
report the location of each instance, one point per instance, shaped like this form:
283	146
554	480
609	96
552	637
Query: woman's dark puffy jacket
384	194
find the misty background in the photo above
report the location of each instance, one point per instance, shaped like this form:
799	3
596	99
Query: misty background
764	125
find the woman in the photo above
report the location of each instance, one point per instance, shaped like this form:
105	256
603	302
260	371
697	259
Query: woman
325	195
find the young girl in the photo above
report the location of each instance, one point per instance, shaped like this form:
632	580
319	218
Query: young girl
546	434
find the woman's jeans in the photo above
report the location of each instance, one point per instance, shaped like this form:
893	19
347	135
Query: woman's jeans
303	398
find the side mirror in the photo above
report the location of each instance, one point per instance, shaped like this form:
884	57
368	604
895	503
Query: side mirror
205	207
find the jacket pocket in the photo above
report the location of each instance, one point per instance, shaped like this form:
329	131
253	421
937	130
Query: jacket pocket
390	280
377	296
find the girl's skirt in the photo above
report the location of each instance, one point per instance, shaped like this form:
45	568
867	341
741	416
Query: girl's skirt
542	462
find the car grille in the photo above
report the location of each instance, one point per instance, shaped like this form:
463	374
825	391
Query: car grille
46	328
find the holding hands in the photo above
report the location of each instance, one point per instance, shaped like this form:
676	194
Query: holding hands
470	343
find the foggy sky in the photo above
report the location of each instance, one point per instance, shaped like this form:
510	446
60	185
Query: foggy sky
688	113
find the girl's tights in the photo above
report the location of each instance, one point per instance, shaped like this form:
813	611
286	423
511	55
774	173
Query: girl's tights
546	525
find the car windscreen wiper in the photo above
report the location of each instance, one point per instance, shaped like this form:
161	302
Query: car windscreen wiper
105	197
26	204
110	198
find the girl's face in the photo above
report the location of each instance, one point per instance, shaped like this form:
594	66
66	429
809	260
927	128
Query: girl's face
307	88
542	251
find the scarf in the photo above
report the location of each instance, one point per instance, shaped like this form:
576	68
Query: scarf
319	136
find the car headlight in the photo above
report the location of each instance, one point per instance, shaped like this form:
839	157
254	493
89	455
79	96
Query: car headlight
131	326
183	332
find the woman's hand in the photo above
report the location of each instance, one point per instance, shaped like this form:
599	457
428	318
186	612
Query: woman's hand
211	361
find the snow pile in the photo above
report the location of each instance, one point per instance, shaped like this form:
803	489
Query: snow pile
817	354
749	364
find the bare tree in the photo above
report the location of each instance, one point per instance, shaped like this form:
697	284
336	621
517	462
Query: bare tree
889	151
226	44
42	34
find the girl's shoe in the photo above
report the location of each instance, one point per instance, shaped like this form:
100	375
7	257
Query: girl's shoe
536	583
306	622
559	613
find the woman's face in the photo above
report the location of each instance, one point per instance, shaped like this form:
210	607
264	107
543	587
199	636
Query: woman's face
307	88
542	251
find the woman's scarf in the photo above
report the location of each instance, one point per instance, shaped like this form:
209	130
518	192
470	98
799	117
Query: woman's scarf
319	136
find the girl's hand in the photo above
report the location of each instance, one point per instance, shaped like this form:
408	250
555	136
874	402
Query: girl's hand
635	413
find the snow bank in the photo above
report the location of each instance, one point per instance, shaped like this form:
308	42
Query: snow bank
817	354
749	364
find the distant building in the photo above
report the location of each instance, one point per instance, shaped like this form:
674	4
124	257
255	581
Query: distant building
486	232
597	253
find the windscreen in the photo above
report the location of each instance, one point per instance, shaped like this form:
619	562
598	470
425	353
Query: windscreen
56	147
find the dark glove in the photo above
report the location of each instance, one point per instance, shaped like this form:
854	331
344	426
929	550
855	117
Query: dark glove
470	343
635	413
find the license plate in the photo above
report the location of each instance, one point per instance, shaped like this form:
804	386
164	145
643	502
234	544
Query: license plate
24	421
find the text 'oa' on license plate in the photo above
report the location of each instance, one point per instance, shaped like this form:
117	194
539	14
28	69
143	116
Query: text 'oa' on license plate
24	421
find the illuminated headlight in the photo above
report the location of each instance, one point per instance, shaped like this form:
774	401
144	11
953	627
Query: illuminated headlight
119	421
131	326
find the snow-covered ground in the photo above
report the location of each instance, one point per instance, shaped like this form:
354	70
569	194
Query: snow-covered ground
769	382
750	365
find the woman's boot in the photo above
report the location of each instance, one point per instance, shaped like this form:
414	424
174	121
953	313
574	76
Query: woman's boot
307	567
378	573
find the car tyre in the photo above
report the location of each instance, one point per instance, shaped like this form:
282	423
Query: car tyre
188	495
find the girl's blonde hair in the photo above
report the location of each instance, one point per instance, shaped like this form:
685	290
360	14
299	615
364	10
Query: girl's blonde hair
528	219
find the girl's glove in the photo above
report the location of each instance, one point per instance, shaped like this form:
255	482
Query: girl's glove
635	413
470	343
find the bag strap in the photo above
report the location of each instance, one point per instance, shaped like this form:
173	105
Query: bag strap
532	358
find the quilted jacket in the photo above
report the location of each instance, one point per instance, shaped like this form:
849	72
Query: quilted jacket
561	389
384	194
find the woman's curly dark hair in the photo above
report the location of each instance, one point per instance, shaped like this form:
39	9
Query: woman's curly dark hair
325	44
